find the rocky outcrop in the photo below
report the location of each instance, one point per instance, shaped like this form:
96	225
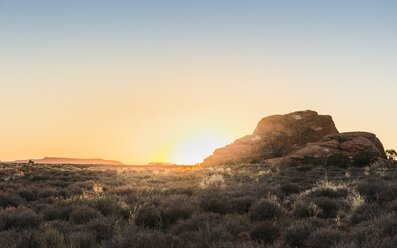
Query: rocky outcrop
348	143
294	130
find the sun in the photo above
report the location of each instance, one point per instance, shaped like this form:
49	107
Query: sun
196	147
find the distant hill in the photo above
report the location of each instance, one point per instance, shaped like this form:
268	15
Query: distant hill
52	160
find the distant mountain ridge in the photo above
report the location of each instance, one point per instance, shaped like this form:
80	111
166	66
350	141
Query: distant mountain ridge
55	160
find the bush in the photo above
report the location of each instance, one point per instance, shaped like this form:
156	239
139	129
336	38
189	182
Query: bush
215	204
163	216
57	213
309	160
328	207
265	232
10	200
364	212
82	239
264	210
290	188
330	192
52	238
391	154
19	218
83	214
303	210
364	158
324	238
338	160
296	235
134	237
378	190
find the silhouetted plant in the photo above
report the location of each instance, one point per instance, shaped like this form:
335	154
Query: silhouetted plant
391	154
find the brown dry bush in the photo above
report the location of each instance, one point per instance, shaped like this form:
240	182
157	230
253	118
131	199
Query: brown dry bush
264	209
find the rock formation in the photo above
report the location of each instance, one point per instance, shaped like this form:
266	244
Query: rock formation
347	143
295	129
295	136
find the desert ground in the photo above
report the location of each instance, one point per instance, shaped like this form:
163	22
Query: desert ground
313	203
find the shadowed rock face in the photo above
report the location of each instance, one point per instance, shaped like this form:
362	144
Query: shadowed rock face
347	143
299	127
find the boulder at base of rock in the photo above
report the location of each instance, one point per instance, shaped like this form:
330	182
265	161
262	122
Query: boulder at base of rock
295	129
348	143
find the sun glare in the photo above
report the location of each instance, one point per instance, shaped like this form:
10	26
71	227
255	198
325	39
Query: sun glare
193	149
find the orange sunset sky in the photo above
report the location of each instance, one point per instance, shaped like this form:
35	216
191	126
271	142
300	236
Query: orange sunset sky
141	81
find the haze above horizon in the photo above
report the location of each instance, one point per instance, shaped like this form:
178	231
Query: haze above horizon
141	81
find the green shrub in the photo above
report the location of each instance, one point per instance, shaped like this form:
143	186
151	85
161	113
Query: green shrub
364	158
338	160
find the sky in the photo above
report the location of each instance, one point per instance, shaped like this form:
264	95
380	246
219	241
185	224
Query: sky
170	80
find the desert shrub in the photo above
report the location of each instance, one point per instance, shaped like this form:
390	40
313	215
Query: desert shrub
290	188
48	192
51	238
378	229
148	217
296	235
328	207
240	205
324	238
19	218
264	210
265	232
28	195
305	209
378	190
338	160
82	239
83	214
213	181
102	228
236	225
364	158
391	154
56	212
364	213
329	192
111	206
162	216
309	160
215	203
133	237
10	200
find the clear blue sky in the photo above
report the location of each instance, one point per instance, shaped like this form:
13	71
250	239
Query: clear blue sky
124	79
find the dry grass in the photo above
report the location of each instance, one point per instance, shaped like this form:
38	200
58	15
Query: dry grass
242	205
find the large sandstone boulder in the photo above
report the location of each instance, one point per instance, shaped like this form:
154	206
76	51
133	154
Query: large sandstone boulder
296	129
346	143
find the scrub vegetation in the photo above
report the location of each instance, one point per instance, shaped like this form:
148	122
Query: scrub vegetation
330	203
